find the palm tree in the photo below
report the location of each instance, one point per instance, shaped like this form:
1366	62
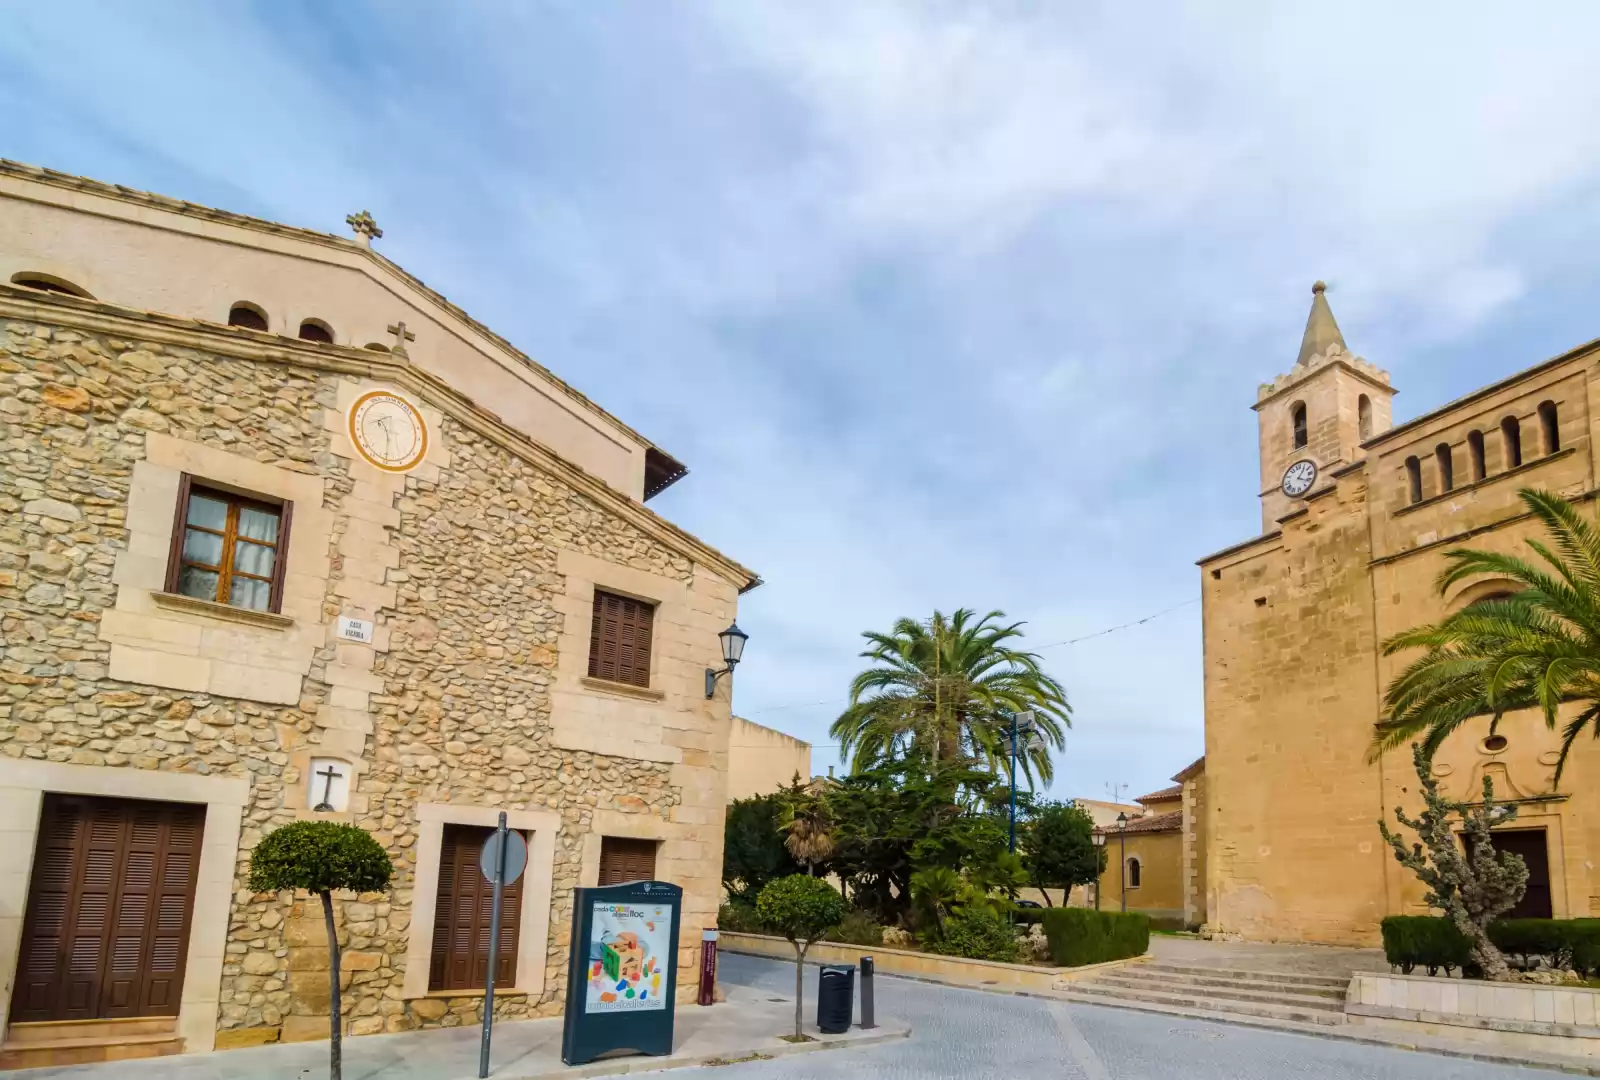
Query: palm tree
1536	647
807	828
946	689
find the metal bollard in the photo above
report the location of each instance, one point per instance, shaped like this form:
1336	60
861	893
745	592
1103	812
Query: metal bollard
867	1020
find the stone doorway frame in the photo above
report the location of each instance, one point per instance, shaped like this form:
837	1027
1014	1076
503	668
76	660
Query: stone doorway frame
533	940
23	785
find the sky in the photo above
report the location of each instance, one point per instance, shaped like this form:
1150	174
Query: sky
944	304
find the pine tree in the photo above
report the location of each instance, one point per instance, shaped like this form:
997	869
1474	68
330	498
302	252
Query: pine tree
1473	885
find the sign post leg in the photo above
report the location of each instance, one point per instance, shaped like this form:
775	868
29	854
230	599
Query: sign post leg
494	948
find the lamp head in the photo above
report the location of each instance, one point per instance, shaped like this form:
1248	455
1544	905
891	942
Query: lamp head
733	640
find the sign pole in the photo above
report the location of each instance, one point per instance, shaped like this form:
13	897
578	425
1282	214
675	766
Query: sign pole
708	967
499	878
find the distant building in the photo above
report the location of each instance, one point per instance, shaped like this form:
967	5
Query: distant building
1158	858
761	759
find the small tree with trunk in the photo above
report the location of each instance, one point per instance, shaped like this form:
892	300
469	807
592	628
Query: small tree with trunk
321	857
801	908
1058	849
1473	885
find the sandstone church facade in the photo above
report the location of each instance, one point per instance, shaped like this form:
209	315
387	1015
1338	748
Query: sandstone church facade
284	534
1357	515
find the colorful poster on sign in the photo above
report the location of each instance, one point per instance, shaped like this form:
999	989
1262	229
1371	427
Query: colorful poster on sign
628	957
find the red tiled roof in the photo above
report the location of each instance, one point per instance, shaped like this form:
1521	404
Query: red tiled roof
1173	792
1148	824
1194	770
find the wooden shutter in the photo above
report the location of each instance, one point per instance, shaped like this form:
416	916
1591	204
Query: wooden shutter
107	928
619	639
625	859
464	912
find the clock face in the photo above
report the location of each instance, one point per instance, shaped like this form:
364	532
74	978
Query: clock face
1298	478
388	431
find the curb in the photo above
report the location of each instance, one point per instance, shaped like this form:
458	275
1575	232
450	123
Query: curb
632	1065
1347	1033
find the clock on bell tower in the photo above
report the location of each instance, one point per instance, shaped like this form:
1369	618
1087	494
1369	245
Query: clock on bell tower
1315	418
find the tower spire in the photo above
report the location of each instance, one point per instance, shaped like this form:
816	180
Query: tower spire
1321	330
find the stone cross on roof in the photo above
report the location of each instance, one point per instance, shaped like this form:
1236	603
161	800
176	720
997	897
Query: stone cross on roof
366	229
401	336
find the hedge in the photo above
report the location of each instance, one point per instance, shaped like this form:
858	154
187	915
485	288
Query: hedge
1434	943
1081	936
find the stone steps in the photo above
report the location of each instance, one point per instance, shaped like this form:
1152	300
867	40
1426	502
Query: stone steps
1326	999
1098	992
81	1042
1332	982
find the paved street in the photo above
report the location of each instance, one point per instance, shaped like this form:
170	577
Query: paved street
973	1035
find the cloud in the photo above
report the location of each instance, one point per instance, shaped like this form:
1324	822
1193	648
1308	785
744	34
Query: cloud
943	303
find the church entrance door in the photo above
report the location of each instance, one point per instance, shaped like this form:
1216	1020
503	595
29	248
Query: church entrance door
1530	844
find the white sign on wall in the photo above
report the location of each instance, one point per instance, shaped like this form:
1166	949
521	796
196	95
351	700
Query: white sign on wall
355	630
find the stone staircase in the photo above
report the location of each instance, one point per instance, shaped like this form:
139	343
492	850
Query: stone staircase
79	1042
1272	996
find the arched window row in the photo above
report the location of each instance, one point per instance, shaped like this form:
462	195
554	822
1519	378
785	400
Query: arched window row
34	279
1477	456
253	317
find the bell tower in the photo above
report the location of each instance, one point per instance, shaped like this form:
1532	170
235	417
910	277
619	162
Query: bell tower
1321	412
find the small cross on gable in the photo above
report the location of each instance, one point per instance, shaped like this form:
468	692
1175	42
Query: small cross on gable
401	336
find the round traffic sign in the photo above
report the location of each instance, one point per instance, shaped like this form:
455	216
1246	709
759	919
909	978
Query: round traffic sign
516	856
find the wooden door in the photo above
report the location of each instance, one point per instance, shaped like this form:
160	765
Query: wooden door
463	913
107	928
1530	844
626	859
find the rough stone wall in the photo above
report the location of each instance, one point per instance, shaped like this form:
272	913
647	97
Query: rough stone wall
1194	850
464	714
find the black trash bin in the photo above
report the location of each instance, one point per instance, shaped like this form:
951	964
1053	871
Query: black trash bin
836	990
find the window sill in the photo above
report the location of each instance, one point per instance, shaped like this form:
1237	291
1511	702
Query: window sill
224	612
606	686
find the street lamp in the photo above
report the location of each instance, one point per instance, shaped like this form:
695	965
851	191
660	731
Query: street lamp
1099	842
1122	870
1022	724
733	640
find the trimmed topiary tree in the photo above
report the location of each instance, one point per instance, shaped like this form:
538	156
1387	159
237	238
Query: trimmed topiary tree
801	908
320	857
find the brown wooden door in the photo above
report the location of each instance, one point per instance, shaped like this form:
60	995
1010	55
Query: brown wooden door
462	916
625	859
107	928
1530	844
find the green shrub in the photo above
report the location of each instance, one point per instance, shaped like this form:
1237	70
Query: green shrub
977	934
1533	939
857	928
1426	941
739	918
1081	936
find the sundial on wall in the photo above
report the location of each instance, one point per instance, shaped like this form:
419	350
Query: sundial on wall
388	431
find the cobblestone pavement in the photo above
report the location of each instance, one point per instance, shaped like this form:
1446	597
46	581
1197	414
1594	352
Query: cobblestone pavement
972	1035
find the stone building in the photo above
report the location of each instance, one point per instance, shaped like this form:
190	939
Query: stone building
1157	859
285	534
1357	515
762	760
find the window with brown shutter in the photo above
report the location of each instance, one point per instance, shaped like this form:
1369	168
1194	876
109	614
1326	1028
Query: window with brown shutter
228	548
461	919
107	927
619	639
623	858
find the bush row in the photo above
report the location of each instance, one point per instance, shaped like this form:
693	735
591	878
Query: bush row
1081	936
1433	942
